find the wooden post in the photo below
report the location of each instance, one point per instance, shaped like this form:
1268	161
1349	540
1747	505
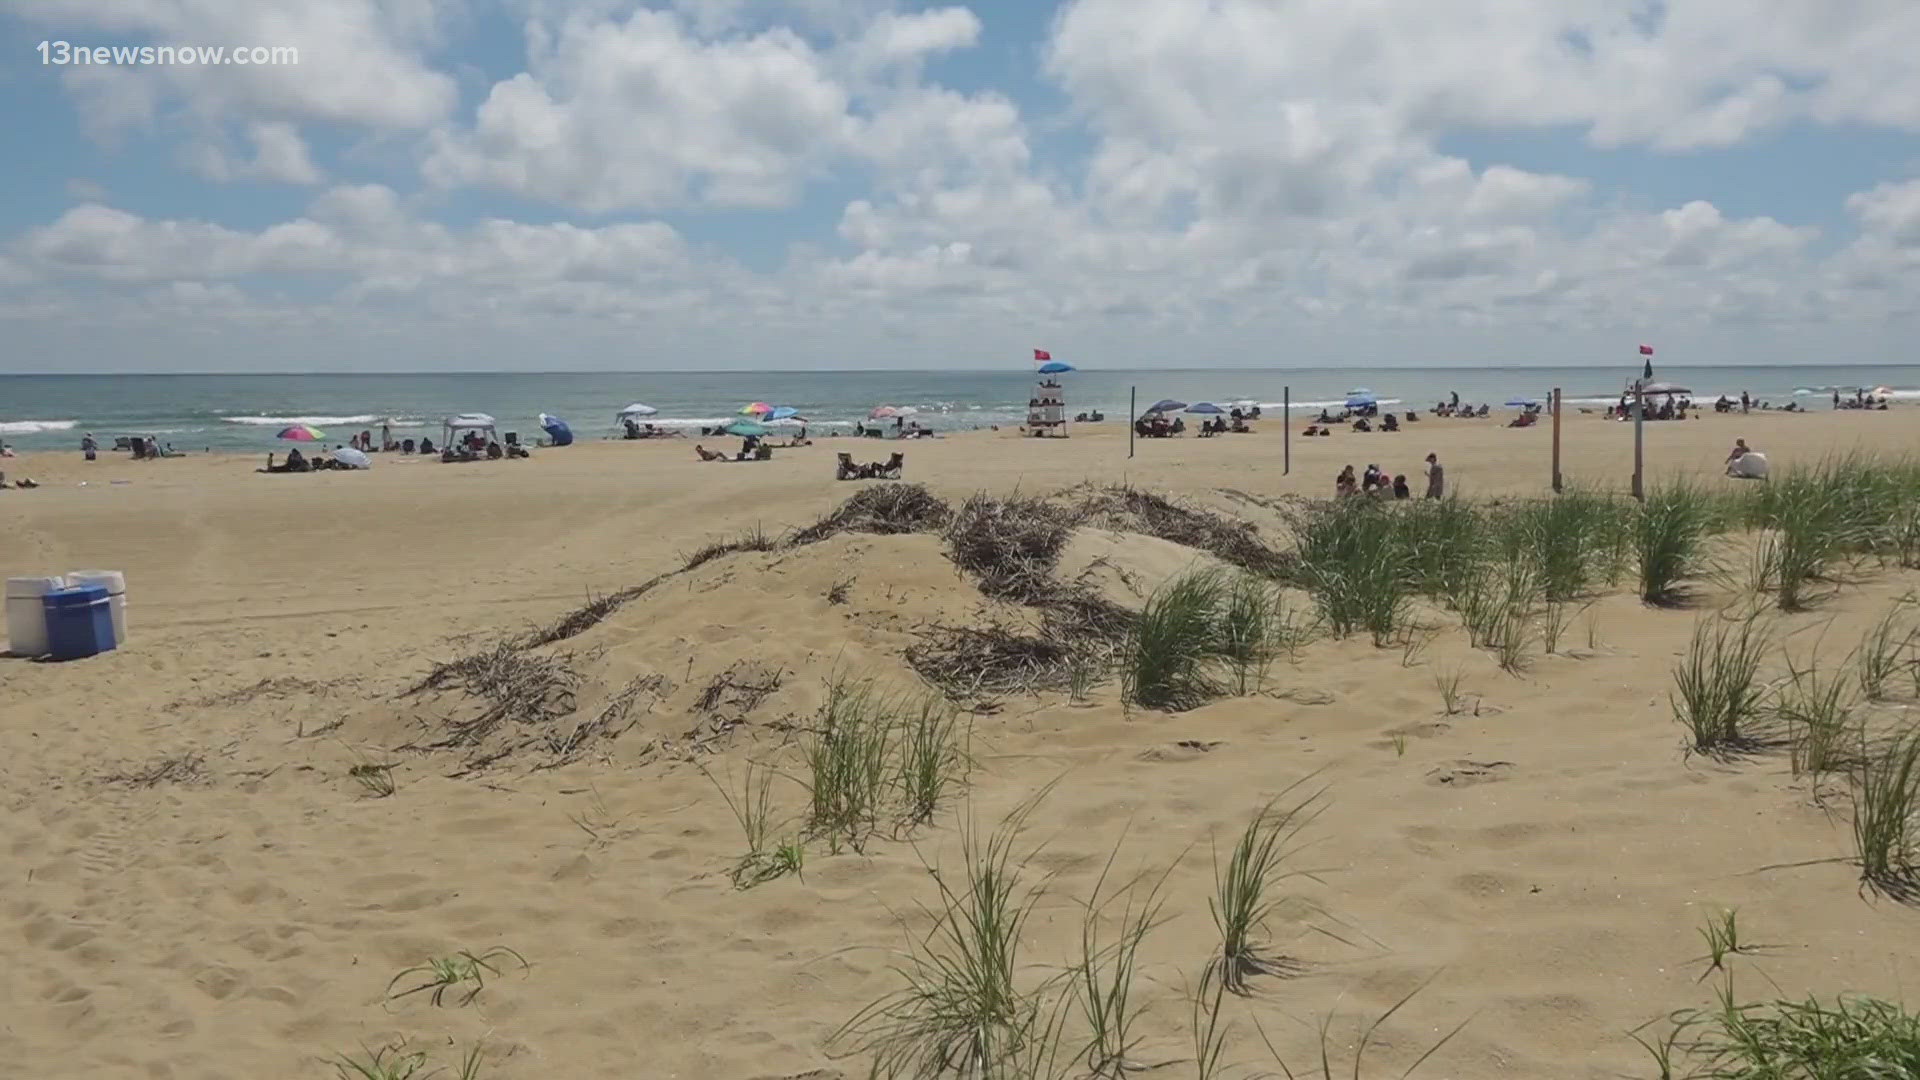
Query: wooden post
1639	440
1556	440
1286	430
1133	402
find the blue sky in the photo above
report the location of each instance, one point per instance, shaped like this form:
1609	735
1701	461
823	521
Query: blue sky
815	179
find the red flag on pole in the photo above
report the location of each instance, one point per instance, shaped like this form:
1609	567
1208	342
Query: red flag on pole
1646	350
1041	356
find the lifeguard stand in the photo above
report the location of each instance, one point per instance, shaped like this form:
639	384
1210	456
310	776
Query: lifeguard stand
1047	412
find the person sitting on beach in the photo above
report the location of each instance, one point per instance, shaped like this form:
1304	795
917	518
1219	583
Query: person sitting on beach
1740	450
1344	484
708	455
5	450
426	446
493	451
1362	425
1312	429
1400	489
1389	422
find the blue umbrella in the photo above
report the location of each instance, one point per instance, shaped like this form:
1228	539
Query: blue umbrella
784	412
1361	400
1521	403
557	428
746	428
1166	405
1054	367
1205	407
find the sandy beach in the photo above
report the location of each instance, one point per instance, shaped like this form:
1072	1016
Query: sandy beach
199	888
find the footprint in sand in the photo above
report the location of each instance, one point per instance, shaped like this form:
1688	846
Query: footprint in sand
1469	773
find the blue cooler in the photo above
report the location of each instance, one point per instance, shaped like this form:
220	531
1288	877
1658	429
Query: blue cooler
79	622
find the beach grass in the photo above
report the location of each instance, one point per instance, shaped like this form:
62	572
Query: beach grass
1369	1037
1250	628
1850	1036
1576	541
1356	559
443	973
1716	692
933	757
1670	531
753	539
1884	650
751	803
385	1063
968	1007
1206	1026
1247	887
1170	660
1886	813
1817	711
847	754
1104	977
1448	684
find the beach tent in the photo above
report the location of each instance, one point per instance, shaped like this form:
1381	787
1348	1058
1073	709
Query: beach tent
1664	388
557	430
457	427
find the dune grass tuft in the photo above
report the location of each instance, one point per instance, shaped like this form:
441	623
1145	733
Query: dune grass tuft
1366	1041
932	757
1849	1037
1886	814
752	806
1670	532
1247	886
1358	565
847	756
1716	693
1104	977
1816	709
1884	650
1170	660
969	1007
440	974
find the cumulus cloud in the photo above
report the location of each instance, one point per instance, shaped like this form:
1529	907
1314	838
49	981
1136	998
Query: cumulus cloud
279	154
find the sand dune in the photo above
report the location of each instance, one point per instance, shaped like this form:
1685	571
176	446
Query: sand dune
201	889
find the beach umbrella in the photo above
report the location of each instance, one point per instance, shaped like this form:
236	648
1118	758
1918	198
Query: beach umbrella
784	412
352	459
1166	405
301	433
746	428
1205	407
1521	403
881	412
1361	400
636	409
557	429
1359	391
1054	367
1664	388
758	408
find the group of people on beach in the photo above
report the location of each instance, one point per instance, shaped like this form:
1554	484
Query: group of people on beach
1377	484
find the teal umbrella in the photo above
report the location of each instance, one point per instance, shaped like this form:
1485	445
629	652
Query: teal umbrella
746	428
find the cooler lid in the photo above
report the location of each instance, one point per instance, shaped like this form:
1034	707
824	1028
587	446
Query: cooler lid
83	596
34	586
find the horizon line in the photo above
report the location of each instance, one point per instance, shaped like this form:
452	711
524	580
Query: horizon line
894	371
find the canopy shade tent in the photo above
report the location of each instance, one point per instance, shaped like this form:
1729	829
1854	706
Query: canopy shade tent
1664	388
1521	403
635	409
1207	407
557	430
455	426
1166	405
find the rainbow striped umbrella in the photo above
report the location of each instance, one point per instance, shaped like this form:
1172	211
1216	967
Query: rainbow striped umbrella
301	433
758	408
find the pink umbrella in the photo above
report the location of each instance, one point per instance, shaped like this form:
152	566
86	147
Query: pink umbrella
758	408
301	433
883	411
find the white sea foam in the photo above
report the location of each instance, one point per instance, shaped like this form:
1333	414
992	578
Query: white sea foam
283	421
35	427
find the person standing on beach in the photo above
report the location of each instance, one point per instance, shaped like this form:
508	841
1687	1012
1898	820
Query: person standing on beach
1436	477
88	447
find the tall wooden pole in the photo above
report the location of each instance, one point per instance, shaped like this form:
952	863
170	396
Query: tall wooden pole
1133	400
1286	430
1556	439
1639	440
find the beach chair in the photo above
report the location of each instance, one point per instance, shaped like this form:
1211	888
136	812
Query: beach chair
847	470
892	469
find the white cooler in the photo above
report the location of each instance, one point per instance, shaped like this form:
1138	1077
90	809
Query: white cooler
26	614
116	585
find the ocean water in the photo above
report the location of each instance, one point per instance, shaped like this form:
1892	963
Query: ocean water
242	412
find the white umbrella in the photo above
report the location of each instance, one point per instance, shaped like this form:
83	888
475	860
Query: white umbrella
352	459
637	409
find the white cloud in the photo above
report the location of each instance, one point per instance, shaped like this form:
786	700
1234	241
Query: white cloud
361	61
279	154
1891	211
